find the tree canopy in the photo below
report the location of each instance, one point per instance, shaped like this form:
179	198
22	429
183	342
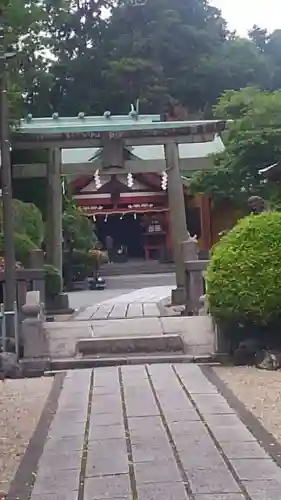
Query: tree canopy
253	141
78	55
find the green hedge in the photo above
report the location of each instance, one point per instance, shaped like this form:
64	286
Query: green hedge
244	275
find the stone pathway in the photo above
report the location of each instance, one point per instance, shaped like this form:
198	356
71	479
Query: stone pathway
150	433
137	304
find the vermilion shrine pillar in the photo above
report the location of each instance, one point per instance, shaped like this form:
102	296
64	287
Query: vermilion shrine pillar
179	231
54	213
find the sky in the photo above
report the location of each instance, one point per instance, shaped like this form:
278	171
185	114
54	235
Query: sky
243	14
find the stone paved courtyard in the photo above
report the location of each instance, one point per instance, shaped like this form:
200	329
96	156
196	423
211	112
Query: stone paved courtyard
148	433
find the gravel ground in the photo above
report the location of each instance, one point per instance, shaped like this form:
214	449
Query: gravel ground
21	404
260	392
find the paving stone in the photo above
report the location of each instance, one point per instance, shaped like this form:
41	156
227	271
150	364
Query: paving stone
102	312
106	419
160	491
153	434
61	429
175	404
222	420
106	390
64	445
145	423
72	405
225	496
180	416
106	432
212	404
138	408
71	495
145	452
192	458
189	442
195	429
151	310
263	490
157	472
61	461
102	449
71	416
134	311
212	480
106	406
233	433
111	465
251	469
119	311
243	449
59	481
110	487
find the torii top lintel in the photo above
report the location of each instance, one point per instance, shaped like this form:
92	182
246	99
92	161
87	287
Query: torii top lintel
132	129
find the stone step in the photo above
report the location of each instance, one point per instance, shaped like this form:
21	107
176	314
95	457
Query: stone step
127	345
129	268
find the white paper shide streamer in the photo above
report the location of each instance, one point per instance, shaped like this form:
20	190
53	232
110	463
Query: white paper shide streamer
164	181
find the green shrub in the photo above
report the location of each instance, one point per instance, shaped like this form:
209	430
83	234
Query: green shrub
28	220
53	280
23	247
244	275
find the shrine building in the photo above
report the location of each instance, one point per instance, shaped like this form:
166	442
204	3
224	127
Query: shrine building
134	209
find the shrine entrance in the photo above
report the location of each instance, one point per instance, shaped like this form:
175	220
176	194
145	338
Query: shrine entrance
128	145
127	233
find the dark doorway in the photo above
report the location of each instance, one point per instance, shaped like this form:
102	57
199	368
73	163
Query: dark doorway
193	221
125	231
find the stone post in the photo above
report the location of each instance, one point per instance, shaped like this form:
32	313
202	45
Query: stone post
37	262
34	336
54	214
178	219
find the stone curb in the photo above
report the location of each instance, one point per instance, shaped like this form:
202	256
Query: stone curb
31	368
67	364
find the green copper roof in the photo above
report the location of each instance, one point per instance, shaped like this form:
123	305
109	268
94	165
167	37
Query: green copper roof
105	123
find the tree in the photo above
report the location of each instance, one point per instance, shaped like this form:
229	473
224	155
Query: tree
253	141
21	32
147	52
77	228
269	45
237	63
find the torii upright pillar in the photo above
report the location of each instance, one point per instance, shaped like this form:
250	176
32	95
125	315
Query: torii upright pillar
178	219
54	215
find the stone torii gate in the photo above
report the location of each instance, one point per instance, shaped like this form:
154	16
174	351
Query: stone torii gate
115	135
